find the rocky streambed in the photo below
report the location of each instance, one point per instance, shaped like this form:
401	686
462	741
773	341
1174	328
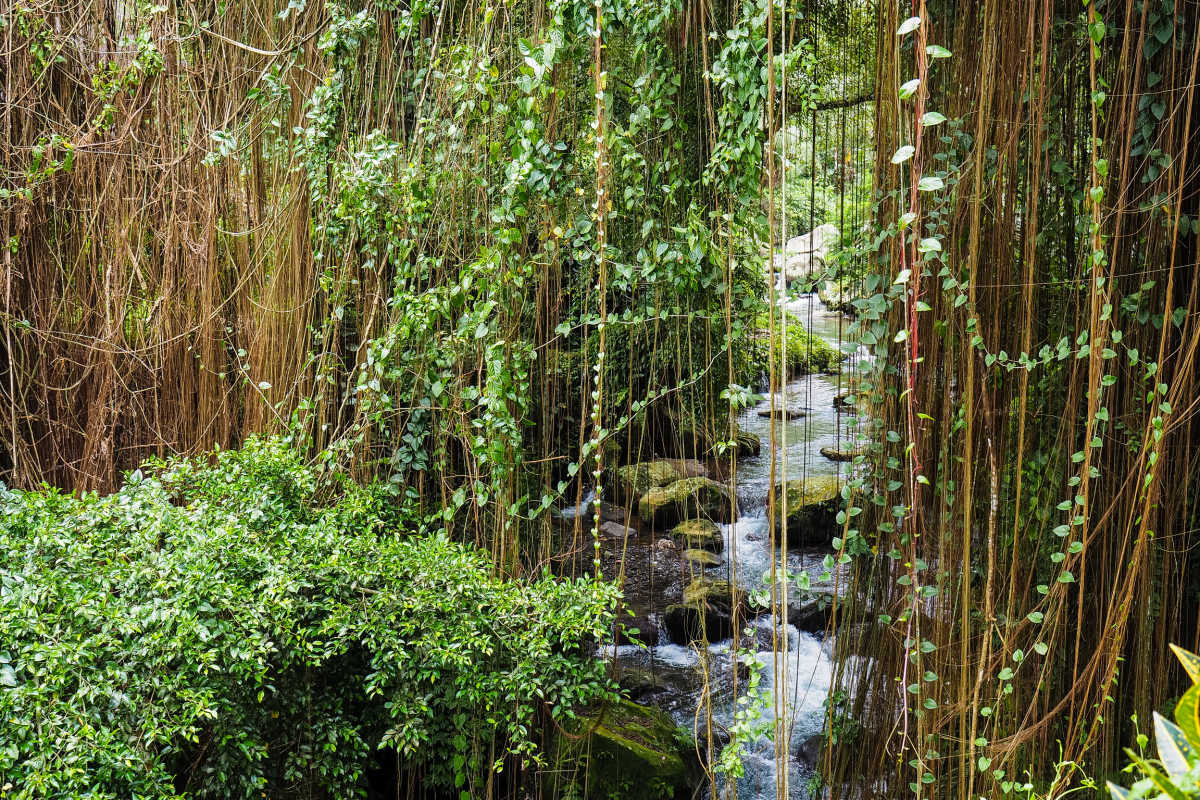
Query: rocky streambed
692	545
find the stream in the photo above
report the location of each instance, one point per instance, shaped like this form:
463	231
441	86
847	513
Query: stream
672	676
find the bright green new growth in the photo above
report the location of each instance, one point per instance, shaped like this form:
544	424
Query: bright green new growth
225	630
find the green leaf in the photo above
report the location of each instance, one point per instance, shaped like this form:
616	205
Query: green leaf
1190	661
931	118
1174	751
930	183
908	26
1156	777
937	51
903	154
909	88
1187	715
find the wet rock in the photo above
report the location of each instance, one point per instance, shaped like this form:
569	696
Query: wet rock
621	749
844	401
782	413
699	534
615	530
635	480
834	454
695	439
666	545
748	444
836	298
809	751
811	617
702	559
689	467
667	506
812	507
705	613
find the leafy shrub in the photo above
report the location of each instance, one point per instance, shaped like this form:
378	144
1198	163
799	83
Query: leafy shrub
1176	775
220	631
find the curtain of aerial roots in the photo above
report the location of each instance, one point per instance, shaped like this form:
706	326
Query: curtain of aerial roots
1043	627
133	275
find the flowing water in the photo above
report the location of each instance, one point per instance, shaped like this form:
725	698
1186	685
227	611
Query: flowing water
805	665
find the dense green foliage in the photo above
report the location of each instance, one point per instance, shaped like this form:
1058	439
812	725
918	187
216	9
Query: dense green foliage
216	631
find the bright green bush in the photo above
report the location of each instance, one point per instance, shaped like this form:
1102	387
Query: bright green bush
805	352
221	631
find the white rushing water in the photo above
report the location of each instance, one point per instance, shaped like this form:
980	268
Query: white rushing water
805	667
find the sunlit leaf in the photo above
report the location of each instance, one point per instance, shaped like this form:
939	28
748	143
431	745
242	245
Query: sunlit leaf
1187	714
1190	661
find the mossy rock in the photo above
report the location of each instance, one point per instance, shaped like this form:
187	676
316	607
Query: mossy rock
637	479
812	507
699	534
622	750
702	559
833	454
806	353
705	613
666	506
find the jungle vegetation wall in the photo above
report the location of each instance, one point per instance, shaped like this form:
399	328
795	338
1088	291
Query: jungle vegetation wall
1027	530
454	246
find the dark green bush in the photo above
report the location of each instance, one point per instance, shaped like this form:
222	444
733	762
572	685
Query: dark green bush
218	631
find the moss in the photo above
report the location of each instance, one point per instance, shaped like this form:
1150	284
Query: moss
699	534
705	613
806	352
701	559
667	506
622	751
812	506
637	479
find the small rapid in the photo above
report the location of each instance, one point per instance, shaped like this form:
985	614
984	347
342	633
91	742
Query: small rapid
799	675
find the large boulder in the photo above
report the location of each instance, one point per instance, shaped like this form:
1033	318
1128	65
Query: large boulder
818	240
624	750
699	534
812	506
705	613
805	257
666	506
636	479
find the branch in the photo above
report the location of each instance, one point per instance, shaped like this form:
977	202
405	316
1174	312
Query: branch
867	96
